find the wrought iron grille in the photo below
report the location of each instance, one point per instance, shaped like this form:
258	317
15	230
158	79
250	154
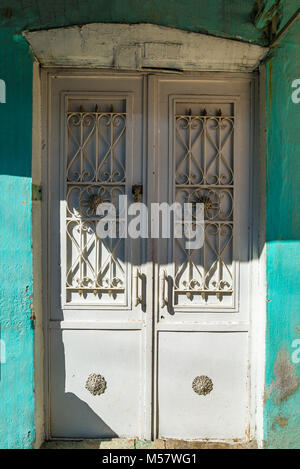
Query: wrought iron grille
205	174
95	173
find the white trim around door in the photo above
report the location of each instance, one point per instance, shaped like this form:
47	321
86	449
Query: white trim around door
148	404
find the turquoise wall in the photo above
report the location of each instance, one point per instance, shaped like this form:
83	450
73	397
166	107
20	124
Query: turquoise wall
232	19
282	413
227	18
16	379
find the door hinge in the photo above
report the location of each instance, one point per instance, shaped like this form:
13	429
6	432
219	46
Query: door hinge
36	192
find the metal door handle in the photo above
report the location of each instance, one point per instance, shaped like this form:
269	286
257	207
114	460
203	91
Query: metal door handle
138	278
165	299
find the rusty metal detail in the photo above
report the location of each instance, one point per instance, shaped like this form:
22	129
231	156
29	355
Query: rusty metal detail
137	192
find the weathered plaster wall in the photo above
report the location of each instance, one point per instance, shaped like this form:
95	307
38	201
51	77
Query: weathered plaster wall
231	19
16	379
287	9
223	18
140	46
282	412
226	18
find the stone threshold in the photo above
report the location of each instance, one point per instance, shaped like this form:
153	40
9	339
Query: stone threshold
119	443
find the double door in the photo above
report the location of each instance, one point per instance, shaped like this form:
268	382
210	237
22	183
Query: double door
148	337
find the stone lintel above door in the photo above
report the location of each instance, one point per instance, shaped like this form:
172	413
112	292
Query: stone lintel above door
141	46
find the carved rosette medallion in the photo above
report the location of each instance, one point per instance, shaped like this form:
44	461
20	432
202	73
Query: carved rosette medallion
202	385
96	384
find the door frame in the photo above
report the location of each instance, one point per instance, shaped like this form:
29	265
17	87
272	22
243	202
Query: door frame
41	114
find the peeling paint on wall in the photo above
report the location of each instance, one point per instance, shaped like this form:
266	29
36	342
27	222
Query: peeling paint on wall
286	381
229	19
224	18
281	421
16	378
283	242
